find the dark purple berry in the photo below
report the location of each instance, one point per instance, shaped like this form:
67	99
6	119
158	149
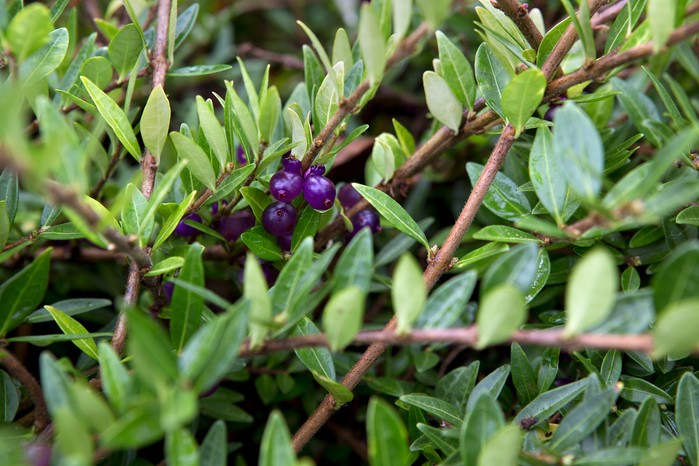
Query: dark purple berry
238	223
214	208
168	289
315	170
285	242
38	454
319	192
269	272
285	186
291	164
279	219
240	156
366	218
348	196
183	229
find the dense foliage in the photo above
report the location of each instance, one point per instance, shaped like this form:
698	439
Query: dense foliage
209	211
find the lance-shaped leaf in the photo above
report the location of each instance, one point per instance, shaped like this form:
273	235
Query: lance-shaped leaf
388	437
502	310
441	101
213	131
456	71
522	96
371	44
187	306
408	292
155	121
198	162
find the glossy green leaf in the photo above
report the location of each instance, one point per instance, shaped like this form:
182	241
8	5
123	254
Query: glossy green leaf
456	71
503	198
197	70
549	402
70	325
610	371
125	49
446	304
255	290
115	118
115	378
624	23
630	280
689	216
327	99
483	253
23	292
527	267
502	311
441	101
262	244
198	162
166	265
44	61
522	96
646	427
483	418
232	182
675	278
673	332
173	220
408	292
456	386
438	408
133	213
315	359
257	199
213	131
186	307
504	234
591	291
392	212
343	316
687	415
492	77
289	282
492	383
523	376
549	41
387	435
637	390
371	44
243	123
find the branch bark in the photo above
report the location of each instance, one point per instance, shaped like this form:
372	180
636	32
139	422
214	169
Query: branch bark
519	14
17	370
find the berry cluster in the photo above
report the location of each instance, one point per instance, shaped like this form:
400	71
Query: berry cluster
348	197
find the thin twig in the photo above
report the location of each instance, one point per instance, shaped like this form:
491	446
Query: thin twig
520	16
248	49
17	370
113	161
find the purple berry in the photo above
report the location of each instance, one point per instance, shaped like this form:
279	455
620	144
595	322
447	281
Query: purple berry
285	242
211	390
240	156
183	229
319	192
168	289
285	186
348	196
366	218
279	219
38	454
291	164
315	170
269	272
238	223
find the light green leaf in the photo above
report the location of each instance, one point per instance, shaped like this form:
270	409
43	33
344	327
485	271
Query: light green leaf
457	71
522	97
197	70
214	447
591	291
687	415
355	266
198	162
327	98
125	49
387	435
151	351
276	449
408	292
115	118
661	17
255	290
434	11
70	325
155	121
483	418
502	311
505	234
115	378
674	331
23	291
502	448
44	61
213	131
402	11
166	265
173	220
343	316
392	212
28	30
441	101
181	448
371	44
689	216
270	110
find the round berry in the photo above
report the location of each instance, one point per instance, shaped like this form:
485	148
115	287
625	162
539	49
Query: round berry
319	192
348	196
315	170
238	223
285	185
38	454
279	219
291	164
366	218
285	242
240	156
183	229
168	289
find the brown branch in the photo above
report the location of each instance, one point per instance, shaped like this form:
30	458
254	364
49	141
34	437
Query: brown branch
17	370
114	160
467	337
248	49
520	16
196	205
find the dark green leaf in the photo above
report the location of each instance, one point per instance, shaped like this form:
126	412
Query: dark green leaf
484	417
307	226
317	360
447	303
198	162
23	292
262	244
9	398
213	450
387	435
611	368
186	307
503	198
547	403
492	384
125	49
276	449
646	427
638	390
151	351
687	415
523	376
456	386
492	77
438	408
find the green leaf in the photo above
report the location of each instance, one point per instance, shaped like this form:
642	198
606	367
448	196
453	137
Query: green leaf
483	418
502	311
630	279
552	37
387	435
343	316
611	368
4	225
307	226
257	199
115	118
441	101
689	216
662	454
213	450
675	279
271	109
434	406
546	404
173	220
687	415
115	379
339	392
637	390
446	304
327	98
582	420
456	71
186	307
342	50
492	383
289	282
44	61
392	212
646	427
661	17
523	376
150	350
504	234
125	49
262	244
591	291
408	292
255	291
28	30
275	448
456	386
70	325
355	266
23	292
402	11
231	183
73	439
155	121
181	448
480	254
578	147
503	198
133	213
624	24
198	162
9	396
213	131
673	332
522	96
526	267
371	44
166	265
502	448
136	428
9	192
434	11
197	70
318	360
492	77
